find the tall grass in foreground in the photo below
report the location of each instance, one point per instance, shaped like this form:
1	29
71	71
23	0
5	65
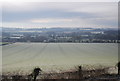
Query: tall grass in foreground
81	73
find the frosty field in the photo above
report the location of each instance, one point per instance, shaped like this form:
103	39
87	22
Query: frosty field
57	55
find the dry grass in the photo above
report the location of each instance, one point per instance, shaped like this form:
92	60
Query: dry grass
100	74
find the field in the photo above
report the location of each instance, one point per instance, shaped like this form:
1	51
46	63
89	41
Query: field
57	57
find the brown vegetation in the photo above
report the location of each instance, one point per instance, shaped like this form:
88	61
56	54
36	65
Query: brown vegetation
79	75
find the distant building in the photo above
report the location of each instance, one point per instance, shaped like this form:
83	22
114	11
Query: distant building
100	32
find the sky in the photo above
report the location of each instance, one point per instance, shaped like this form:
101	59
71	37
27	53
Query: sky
60	14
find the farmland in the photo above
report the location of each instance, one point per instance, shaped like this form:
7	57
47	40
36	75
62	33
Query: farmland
57	56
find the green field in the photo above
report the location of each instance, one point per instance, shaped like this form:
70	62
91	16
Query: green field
54	56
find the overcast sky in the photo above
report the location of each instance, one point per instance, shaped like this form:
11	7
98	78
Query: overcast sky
60	14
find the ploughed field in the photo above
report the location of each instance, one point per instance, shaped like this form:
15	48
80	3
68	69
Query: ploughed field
57	56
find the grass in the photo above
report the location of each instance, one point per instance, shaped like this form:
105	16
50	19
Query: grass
99	74
5	43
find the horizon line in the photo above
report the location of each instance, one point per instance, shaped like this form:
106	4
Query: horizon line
60	27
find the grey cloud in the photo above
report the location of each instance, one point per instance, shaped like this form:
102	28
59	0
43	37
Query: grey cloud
84	12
